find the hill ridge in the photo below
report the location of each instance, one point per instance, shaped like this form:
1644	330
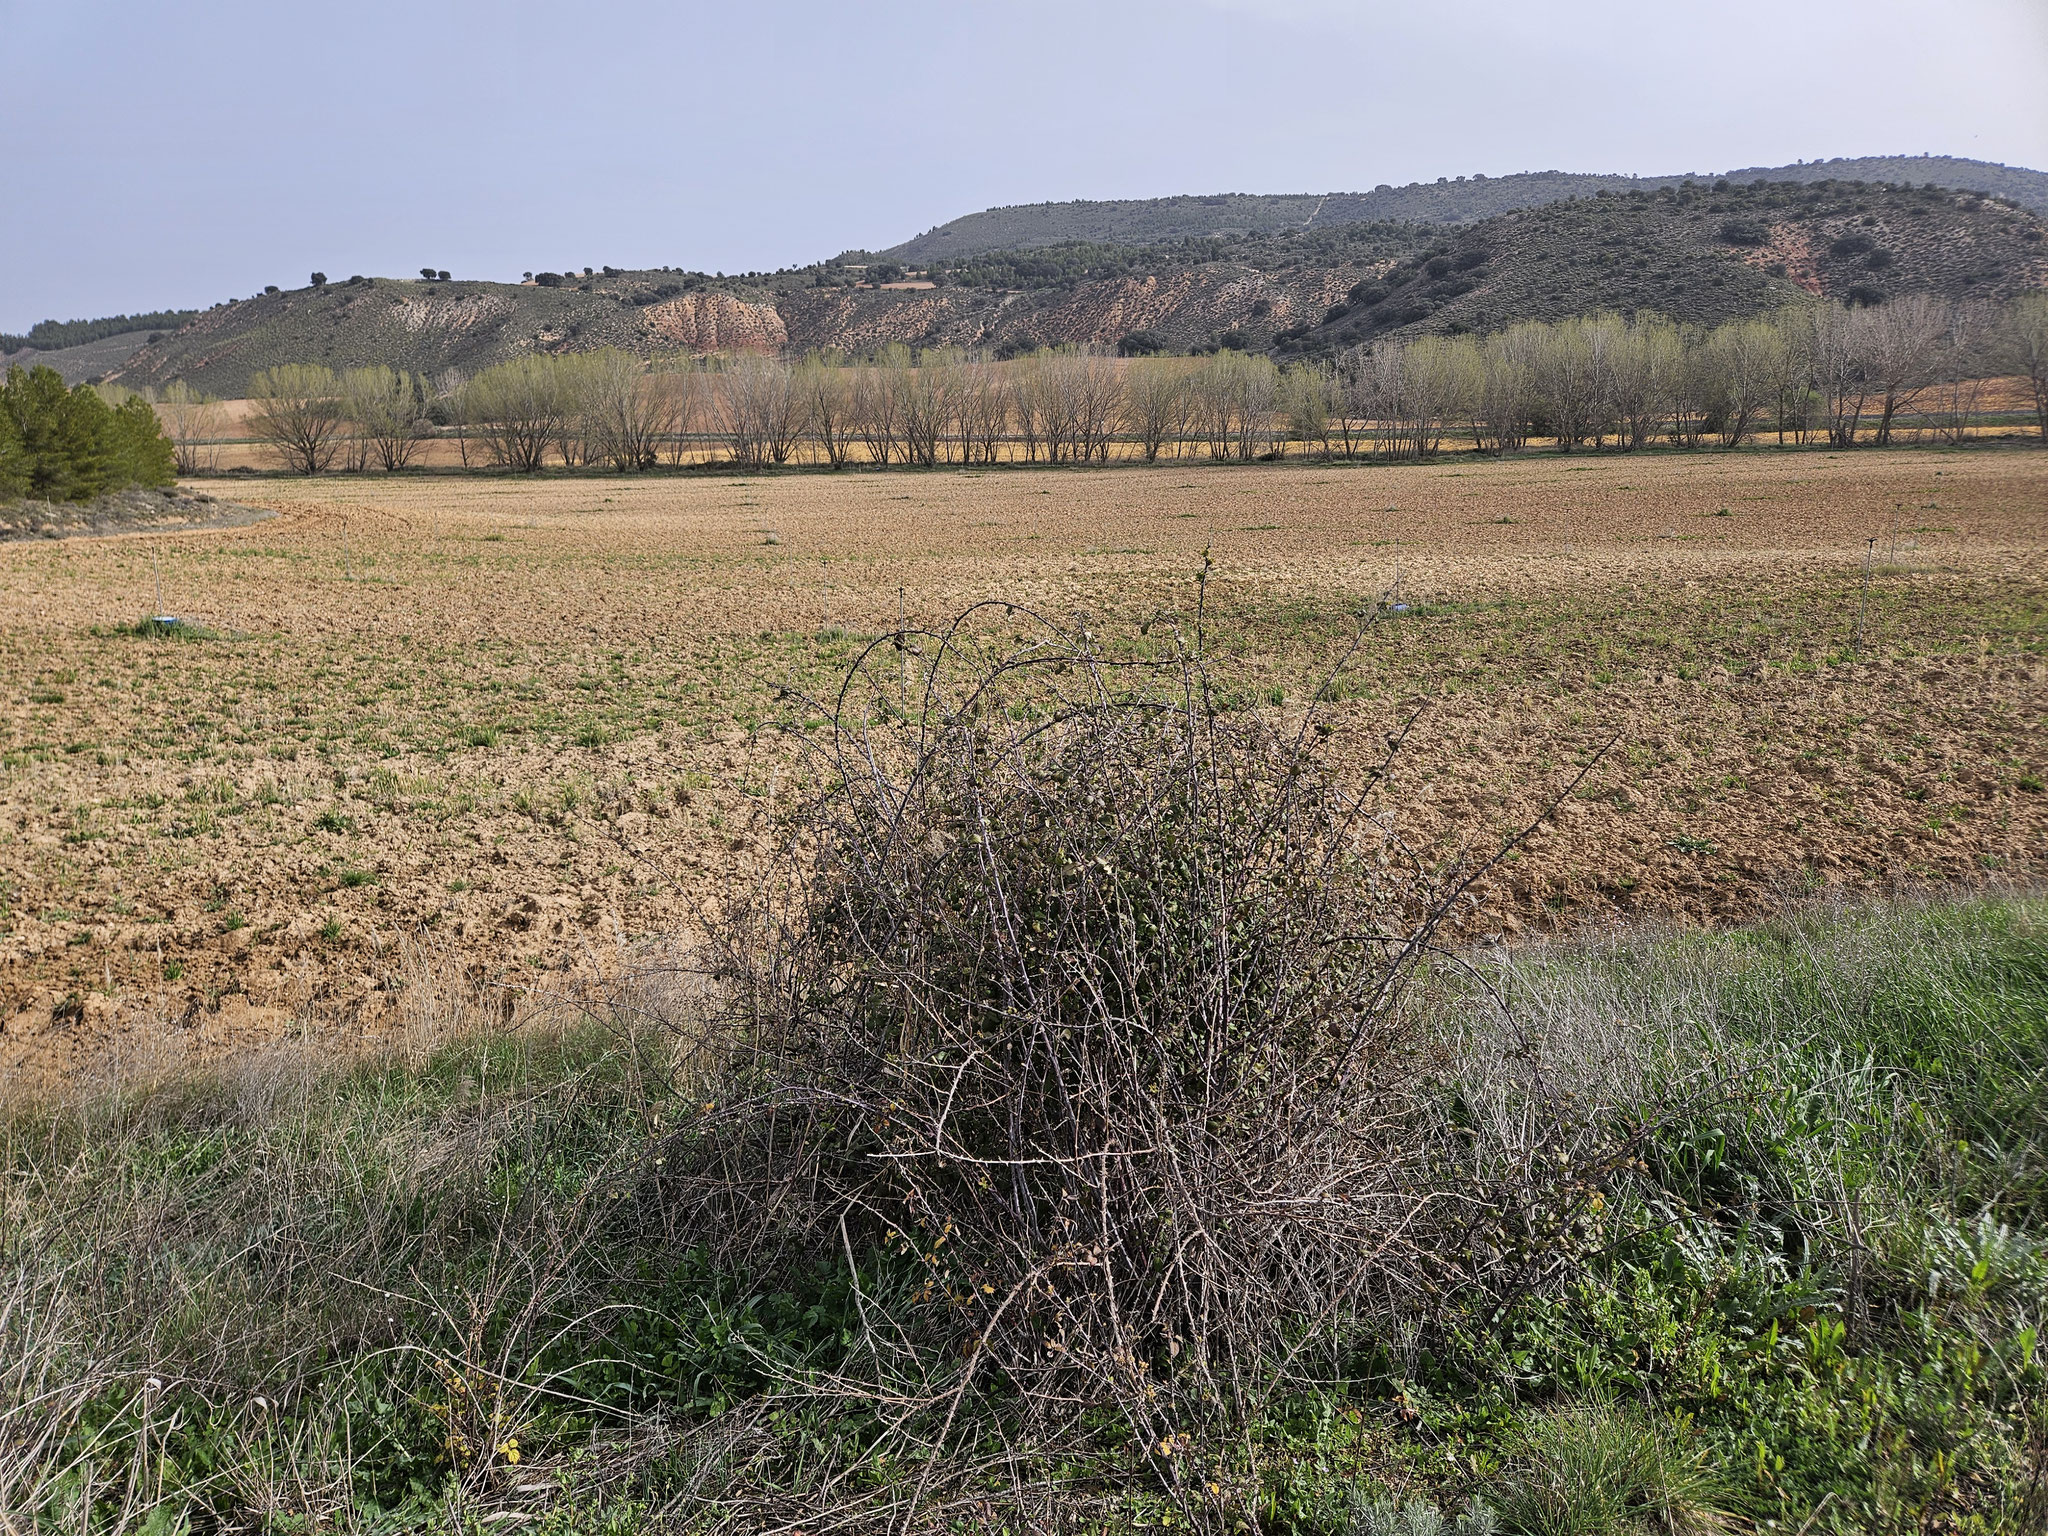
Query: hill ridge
1464	200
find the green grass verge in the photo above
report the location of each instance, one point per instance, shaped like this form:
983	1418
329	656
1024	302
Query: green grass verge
407	1295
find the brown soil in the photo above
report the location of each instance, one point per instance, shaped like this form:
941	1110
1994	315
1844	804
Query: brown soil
501	729
131	511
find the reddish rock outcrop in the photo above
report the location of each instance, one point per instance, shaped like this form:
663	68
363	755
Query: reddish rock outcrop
715	322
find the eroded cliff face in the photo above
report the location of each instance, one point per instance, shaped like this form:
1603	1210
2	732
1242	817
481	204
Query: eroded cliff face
1187	308
431	327
465	313
860	320
713	322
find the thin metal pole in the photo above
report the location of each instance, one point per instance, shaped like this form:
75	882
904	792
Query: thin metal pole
1863	613
157	570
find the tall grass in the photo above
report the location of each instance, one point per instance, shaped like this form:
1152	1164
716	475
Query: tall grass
293	1287
1090	1127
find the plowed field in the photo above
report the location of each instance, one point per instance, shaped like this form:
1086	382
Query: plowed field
420	737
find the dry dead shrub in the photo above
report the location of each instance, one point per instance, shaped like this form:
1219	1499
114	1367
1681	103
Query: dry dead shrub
1085	995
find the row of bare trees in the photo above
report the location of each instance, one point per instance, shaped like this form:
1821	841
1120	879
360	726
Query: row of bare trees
1057	406
1811	372
587	408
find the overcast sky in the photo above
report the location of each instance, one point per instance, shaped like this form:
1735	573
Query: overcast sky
159	153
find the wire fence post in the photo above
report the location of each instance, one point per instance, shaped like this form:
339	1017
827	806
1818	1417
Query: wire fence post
1863	612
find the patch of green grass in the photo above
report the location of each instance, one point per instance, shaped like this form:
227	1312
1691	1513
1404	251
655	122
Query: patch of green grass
1805	1289
154	628
1596	1468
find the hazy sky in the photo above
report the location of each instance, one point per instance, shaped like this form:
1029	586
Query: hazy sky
159	153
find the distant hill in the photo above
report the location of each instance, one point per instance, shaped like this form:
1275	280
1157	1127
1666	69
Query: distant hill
1466	200
1692	252
85	362
84	350
1696	255
57	335
428	327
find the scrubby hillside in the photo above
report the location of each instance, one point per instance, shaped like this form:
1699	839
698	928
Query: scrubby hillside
86	361
1694	253
86	350
1162	220
430	326
1697	255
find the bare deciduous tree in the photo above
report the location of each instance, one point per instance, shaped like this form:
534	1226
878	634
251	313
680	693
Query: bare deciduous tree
759	410
1233	397
1032	402
626	416
824	386
1309	399
1098	390
192	421
1834	347
678	390
1899	340
1501	408
1793	386
299	415
389	410
448	407
1745	361
1410	390
984	410
576	435
929	406
1563	378
1641	361
878	403
518	407
1156	404
1957	370
2023	347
